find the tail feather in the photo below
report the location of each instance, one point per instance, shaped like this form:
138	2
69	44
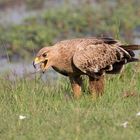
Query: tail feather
133	60
130	47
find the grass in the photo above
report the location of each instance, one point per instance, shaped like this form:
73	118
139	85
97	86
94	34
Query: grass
51	113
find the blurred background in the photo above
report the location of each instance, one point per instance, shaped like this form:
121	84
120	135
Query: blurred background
28	25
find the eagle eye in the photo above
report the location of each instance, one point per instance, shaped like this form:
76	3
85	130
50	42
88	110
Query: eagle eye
44	55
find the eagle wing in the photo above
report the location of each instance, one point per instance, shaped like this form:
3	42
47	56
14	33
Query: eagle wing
97	58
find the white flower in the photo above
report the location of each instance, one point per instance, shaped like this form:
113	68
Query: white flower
124	124
21	117
138	114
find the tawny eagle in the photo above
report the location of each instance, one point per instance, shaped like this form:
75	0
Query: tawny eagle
93	57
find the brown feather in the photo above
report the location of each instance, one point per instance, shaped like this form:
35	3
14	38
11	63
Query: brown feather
97	59
87	56
131	47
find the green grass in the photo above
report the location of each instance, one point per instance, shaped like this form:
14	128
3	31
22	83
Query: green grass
53	114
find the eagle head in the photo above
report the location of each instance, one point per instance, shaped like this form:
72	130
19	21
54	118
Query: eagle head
42	59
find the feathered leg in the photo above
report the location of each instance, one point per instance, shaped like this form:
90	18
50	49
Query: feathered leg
96	86
76	83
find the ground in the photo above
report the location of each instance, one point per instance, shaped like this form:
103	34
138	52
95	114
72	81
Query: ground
33	109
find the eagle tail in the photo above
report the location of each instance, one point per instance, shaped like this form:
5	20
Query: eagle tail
129	55
133	60
130	47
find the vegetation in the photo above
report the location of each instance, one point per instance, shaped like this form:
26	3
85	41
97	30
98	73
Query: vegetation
30	3
51	113
70	22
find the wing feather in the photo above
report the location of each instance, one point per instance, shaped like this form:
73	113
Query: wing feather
93	58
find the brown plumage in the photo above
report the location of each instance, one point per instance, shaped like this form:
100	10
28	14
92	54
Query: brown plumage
86	56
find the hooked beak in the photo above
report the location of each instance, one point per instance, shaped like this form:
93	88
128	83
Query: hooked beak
36	61
34	65
42	63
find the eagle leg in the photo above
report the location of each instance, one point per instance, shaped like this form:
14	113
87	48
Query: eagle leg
76	83
96	86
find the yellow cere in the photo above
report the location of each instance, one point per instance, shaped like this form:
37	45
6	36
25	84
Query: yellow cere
37	60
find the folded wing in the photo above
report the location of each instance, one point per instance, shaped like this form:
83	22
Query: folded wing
94	59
